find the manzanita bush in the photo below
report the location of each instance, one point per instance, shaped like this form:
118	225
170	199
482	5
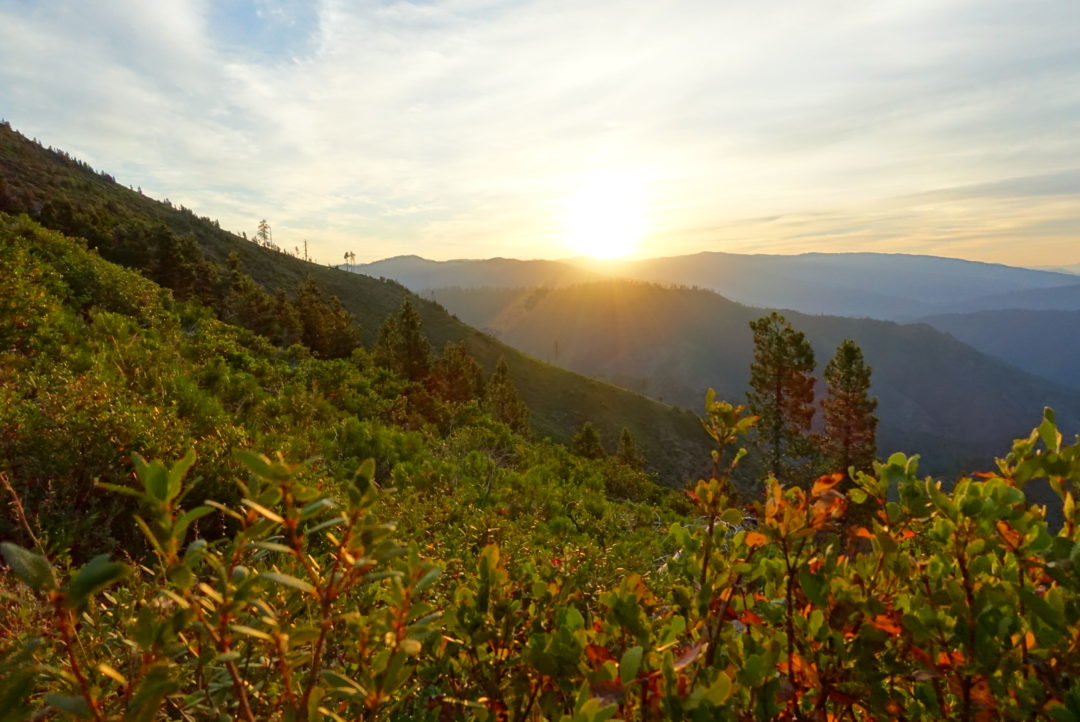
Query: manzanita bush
883	596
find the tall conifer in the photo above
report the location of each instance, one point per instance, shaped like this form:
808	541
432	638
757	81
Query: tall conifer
850	433
782	396
502	400
402	345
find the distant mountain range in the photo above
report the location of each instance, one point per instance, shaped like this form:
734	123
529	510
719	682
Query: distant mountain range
420	274
977	303
886	286
1073	268
939	396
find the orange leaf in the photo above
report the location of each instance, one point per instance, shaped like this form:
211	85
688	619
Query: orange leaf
825	483
922	656
755	539
981	694
863	533
1010	535
886	624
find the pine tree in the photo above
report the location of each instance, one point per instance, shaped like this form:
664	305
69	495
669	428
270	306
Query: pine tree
456	376
327	328
586	443
502	400
849	439
402	345
627	453
782	396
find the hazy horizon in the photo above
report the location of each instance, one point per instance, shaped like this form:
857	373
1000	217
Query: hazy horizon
483	128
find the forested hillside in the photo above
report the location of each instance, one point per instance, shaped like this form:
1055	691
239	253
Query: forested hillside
248	283
939	397
1043	342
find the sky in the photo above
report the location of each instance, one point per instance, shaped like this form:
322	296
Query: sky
552	128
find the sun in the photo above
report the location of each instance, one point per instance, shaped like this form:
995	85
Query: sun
604	218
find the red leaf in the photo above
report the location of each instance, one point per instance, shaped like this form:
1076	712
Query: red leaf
748	618
597	655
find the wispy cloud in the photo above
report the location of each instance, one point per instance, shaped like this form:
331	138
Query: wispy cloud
461	127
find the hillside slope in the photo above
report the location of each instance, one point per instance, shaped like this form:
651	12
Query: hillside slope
1058	298
938	396
66	195
1045	343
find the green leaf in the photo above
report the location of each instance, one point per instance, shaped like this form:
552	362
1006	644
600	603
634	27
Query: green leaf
31	569
263	511
364	475
262	467
70	704
181	525
732	516
342	685
426	580
572	619
629	664
1048	431
116	488
288	581
177	473
273	547
815	586
250	632
182	577
153	476
1043	609
719	691
94	576
151	692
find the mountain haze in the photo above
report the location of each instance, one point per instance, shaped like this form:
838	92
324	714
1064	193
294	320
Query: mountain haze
888	286
938	396
1046	343
877	285
420	274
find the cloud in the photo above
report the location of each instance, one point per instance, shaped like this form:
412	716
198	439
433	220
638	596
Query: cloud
462	127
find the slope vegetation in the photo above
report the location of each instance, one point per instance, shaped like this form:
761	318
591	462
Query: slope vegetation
938	395
155	237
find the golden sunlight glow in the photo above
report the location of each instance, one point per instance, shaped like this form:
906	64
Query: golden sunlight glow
605	218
